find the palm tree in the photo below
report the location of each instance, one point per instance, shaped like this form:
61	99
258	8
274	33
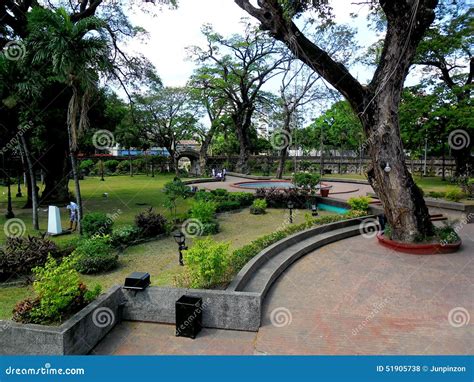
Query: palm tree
77	54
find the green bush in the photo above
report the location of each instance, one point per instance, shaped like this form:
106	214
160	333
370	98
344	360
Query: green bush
205	213
360	203
454	195
437	194
111	165
139	166
96	223
59	293
258	207
21	254
86	166
151	224
306	180
95	255
207	263
226	201
124	236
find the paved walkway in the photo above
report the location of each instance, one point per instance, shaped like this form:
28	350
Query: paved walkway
350	297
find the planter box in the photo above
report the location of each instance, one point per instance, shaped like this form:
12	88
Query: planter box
418	249
78	335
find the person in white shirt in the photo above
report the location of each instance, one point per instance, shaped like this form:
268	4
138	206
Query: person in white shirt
73	215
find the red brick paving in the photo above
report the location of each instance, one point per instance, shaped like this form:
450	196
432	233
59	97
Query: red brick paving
350	297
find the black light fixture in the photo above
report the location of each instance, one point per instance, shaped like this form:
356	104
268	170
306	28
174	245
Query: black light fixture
385	165
314	209
137	281
290	207
180	239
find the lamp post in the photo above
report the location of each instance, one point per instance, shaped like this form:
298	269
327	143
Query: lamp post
180	239
19	194
314	209
290	207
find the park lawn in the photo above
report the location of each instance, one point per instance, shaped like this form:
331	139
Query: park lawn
127	196
160	258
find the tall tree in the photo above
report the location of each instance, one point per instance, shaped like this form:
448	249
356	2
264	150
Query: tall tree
238	67
376	103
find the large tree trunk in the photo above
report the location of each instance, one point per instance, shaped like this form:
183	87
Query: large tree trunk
32	182
204	151
403	201
242	122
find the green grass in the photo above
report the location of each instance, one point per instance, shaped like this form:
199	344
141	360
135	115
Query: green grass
127	197
160	258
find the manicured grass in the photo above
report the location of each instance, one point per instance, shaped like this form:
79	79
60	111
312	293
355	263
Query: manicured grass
160	258
127	196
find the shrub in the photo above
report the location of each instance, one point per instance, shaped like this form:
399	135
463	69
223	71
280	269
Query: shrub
95	255
151	224
220	193
174	191
96	223
59	292
205	213
86	166
447	234
124	236
244	199
360	203
123	167
207	263
306	180
258	207
437	194
21	254
454	195
139	165
111	165
277	198
224	200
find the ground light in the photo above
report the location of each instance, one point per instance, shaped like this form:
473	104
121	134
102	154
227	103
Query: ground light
180	239
290	207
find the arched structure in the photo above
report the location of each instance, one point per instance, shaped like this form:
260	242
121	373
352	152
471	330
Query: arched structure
193	156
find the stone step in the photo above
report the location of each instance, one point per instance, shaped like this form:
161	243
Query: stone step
262	279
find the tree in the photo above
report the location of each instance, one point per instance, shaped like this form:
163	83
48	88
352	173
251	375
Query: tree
237	68
377	103
168	117
77	57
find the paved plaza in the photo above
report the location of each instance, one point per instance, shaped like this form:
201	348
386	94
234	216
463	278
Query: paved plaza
350	297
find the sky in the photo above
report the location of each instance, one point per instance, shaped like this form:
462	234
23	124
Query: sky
171	31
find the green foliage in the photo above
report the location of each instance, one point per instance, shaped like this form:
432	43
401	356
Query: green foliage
86	166
454	195
59	293
95	255
96	223
174	191
437	194
151	224
360	203
205	213
111	165
124	236
306	180
258	207
123	167
21	254
226	201
447	234
207	263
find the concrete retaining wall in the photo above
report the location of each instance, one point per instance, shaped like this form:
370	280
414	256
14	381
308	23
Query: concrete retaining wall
221	309
78	335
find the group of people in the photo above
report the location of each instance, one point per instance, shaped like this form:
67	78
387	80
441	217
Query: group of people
219	174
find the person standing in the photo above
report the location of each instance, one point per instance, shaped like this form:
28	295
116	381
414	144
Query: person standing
73	212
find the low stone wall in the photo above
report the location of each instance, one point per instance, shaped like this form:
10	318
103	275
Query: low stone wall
221	309
78	335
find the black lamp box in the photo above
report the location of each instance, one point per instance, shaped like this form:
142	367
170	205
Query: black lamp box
188	316
137	280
